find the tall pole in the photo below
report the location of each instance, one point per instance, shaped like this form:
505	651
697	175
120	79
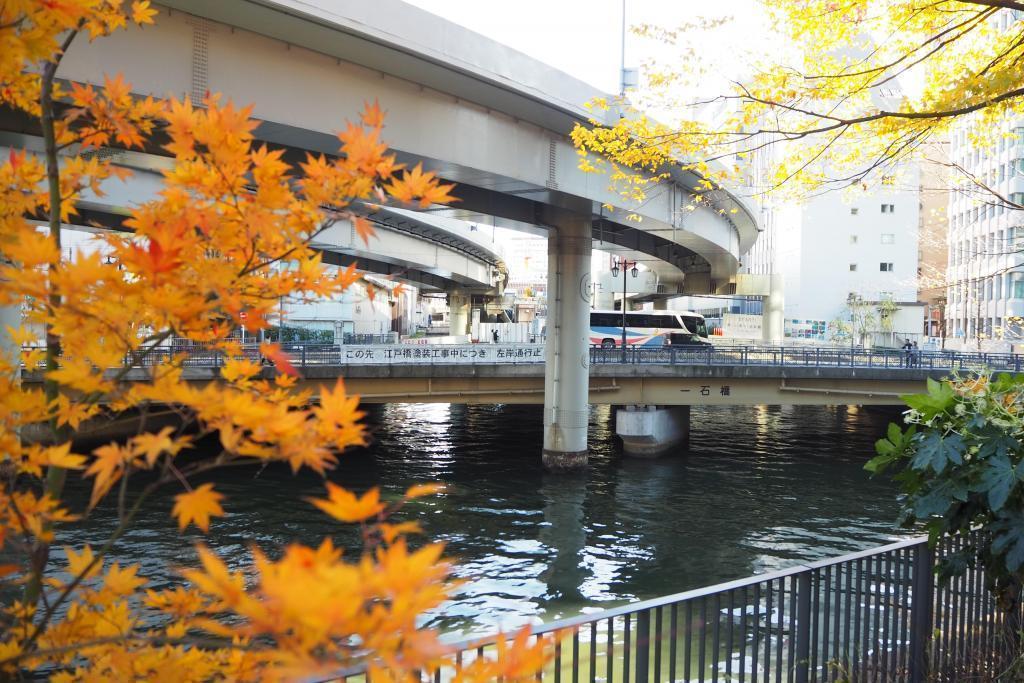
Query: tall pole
622	55
625	264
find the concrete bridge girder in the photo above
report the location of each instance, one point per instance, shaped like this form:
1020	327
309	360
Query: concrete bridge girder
649	385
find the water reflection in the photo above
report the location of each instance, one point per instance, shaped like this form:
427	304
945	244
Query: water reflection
759	488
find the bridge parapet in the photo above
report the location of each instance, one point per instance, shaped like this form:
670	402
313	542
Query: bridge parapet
632	361
641	358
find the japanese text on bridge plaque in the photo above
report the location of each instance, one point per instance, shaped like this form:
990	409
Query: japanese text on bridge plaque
461	354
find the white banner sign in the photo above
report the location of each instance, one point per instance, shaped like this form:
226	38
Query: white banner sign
741	325
459	354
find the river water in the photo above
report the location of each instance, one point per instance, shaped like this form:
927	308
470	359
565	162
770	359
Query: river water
760	488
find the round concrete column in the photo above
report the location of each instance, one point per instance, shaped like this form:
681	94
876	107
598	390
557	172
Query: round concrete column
773	312
458	312
567	349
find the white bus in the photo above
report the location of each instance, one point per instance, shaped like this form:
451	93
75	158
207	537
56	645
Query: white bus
648	328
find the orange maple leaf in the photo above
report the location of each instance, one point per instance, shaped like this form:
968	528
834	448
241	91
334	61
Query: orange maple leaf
372	115
142	13
279	358
345	506
106	468
363	228
420	185
197	506
420	490
155	259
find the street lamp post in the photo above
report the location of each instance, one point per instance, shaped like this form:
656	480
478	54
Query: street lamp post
624	265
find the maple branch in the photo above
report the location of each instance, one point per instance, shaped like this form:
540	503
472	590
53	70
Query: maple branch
122	527
55	476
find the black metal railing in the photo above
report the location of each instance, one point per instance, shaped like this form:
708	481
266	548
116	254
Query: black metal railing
808	356
876	615
309	353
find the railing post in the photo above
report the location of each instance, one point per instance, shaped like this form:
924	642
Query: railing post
817	358
643	646
921	612
672	355
303	347
802	654
1016	362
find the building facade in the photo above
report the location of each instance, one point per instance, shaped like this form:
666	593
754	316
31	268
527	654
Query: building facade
848	260
985	280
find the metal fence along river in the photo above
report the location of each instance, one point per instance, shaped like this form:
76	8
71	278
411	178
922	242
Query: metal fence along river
876	615
306	354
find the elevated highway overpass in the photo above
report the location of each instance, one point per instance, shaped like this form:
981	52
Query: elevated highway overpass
431	252
482	115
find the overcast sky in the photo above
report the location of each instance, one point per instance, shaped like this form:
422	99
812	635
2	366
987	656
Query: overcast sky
583	37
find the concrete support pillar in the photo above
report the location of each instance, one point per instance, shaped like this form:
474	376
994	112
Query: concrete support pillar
458	312
773	312
567	352
649	431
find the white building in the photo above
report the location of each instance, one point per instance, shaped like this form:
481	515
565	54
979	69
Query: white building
859	246
985	278
370	307
526	257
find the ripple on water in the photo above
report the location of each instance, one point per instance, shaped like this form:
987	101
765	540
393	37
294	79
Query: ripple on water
760	488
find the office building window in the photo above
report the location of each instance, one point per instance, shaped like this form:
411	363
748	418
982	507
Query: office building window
853	239
853	211
888	238
853	267
885	266
1018	286
888	208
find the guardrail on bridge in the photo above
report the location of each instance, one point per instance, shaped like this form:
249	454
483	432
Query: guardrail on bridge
312	354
